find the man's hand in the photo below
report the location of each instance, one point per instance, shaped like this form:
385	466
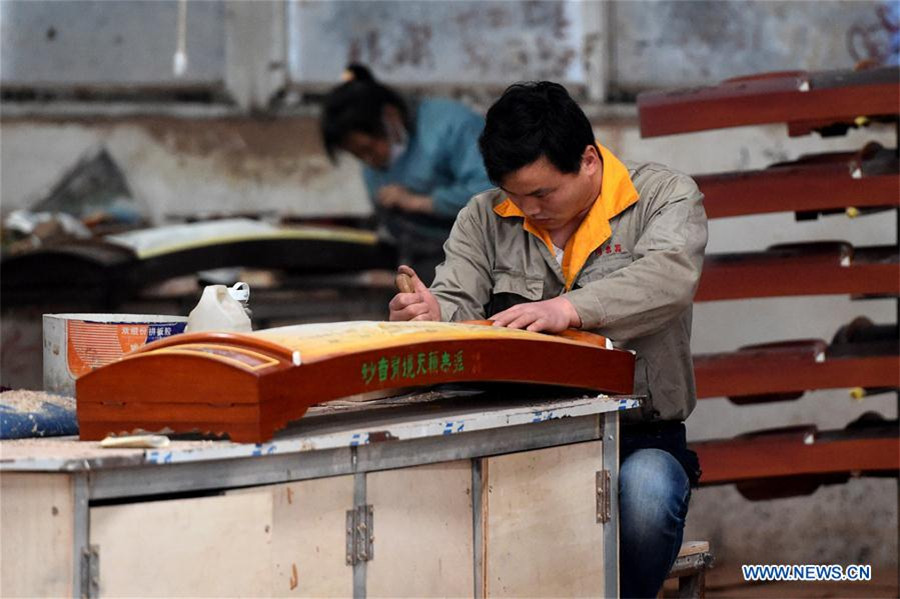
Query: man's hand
400	198
551	316
418	305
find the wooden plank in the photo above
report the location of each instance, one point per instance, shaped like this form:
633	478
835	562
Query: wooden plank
37	528
309	538
830	97
423	531
694	586
203	547
794	453
790	368
834	181
801	269
541	535
693	548
117	268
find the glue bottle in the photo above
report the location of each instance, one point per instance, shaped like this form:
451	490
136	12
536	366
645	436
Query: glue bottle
221	309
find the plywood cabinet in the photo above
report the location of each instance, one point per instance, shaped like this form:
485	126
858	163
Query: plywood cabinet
308	538
424	540
510	511
202	547
540	529
37	519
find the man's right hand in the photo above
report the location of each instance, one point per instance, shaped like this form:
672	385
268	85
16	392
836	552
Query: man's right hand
418	305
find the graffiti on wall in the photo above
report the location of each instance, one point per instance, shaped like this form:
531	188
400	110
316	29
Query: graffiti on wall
877	39
460	42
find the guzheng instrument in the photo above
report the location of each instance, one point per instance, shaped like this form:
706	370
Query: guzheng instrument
796	460
809	268
861	355
806	101
116	268
250	385
833	181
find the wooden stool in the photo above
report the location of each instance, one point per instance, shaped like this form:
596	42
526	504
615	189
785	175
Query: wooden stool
690	569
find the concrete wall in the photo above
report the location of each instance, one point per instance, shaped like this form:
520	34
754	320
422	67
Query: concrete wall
183	167
672	43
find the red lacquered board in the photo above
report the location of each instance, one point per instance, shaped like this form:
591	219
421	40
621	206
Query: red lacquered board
812	268
869	178
804	99
798	451
791	367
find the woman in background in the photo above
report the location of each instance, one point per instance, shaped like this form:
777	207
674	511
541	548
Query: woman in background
421	162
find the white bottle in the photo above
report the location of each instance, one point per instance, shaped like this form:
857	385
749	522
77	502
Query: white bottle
218	310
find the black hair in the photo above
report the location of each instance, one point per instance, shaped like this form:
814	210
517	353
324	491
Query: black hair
531	120
357	105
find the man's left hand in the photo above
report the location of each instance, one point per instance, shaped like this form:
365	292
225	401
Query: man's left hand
400	198
550	316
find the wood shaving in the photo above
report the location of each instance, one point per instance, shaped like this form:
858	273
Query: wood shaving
24	400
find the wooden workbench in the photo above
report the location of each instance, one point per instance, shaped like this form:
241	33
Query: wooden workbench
446	493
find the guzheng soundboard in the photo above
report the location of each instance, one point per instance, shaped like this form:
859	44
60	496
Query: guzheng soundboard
250	385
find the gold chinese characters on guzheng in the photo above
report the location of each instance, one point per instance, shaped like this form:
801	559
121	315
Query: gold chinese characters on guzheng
250	385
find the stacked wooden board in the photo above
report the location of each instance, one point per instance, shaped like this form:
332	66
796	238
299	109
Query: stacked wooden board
803	100
833	181
800	458
812	268
862	356
114	269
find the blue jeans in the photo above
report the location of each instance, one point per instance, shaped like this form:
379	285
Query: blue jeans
654	492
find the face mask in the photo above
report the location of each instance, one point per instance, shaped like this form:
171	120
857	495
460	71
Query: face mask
398	139
397	150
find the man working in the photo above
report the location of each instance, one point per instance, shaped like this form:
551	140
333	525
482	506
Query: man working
574	238
420	160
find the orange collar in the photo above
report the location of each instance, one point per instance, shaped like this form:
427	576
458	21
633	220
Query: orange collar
617	193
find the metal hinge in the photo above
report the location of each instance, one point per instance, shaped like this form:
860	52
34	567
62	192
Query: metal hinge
360	534
603	497
90	572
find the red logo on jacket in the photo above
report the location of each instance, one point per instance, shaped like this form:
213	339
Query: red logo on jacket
609	249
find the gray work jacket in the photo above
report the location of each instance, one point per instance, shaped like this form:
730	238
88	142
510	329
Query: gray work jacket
636	289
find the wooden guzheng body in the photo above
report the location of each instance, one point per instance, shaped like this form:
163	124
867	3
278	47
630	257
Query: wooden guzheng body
803	453
791	368
250	385
811	268
117	268
861	354
805	101
815	183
